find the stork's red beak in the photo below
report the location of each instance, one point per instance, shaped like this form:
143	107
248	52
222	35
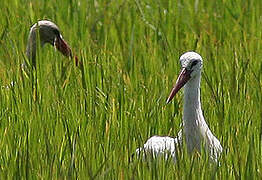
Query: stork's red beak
63	47
182	79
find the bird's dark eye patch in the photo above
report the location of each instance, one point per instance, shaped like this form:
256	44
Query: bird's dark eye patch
193	64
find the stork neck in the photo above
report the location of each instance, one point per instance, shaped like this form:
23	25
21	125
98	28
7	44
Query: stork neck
31	46
192	104
193	119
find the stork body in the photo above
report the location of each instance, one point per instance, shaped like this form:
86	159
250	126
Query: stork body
195	130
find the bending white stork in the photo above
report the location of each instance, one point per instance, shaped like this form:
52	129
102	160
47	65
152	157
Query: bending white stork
195	129
48	33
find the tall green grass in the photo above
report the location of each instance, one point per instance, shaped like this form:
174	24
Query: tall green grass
87	124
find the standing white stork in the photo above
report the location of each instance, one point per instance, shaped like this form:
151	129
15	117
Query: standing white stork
195	129
48	33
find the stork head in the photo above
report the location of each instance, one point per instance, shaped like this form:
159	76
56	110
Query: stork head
50	33
191	64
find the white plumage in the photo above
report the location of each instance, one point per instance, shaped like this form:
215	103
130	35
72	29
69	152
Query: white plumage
195	130
160	146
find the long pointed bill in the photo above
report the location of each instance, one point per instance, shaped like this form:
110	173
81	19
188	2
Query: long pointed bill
63	47
182	79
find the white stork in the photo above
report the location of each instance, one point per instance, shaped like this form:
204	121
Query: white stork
48	33
195	129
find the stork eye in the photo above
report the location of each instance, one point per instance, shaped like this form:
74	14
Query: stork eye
56	32
193	64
